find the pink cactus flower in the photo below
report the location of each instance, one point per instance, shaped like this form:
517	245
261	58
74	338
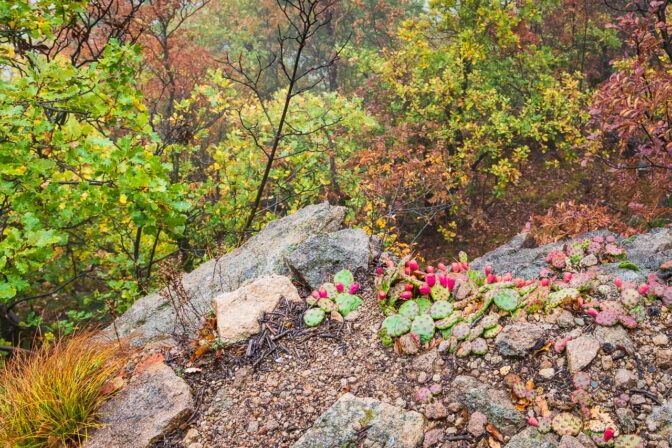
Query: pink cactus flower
431	280
340	287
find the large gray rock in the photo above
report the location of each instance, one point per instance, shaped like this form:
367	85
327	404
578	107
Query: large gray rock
518	339
154	402
648	251
531	438
316	260
660	421
238	311
263	254
494	403
390	426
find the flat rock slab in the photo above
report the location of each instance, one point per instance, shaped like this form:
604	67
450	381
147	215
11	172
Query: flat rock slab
581	352
238	311
390	426
518	339
154	402
321	256
263	254
493	403
531	438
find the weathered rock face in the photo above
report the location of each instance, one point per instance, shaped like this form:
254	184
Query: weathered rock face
581	352
531	438
518	339
152	403
495	404
238	311
648	251
321	256
660	421
264	254
390	426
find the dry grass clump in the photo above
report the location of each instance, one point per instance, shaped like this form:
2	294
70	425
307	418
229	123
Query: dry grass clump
50	398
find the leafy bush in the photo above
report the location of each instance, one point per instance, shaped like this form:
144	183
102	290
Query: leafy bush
50	397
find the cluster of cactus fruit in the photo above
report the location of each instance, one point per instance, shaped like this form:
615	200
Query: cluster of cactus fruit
582	254
335	300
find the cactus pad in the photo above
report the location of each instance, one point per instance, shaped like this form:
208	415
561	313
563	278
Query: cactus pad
424	305
396	325
607	318
423	326
311	301
344	277
448	321
441	309
438	292
562	297
409	309
627	321
327	305
566	424
347	303
507	299
314	317
475	332
479	346
630	297
629	441
464	349
331	289
490	321
461	331
492	332
544	425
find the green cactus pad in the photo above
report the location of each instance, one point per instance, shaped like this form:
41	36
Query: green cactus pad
566	424
475	332
438	292
314	317
396	325
562	297
423	326
492	332
448	321
311	301
629	441
461	331
344	277
347	303
424	305
464	350
331	289
327	305
385	338
409	309
507	299
441	309
630	297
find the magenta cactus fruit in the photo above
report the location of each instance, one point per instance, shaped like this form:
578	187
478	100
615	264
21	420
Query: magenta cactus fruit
566	424
430	280
450	283
425	290
567	277
406	295
354	288
490	279
429	269
413	265
382	295
618	282
322	293
592	312
488	270
532	421
545	282
340	287
315	295
442	267
643	289
456	267
443	280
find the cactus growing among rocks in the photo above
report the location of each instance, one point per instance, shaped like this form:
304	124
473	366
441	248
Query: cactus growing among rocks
607	318
409	309
327	305
347	303
629	441
449	321
490	321
506	299
465	349
423	326
396	325
492	332
630	297
479	346
545	425
441	309
314	317
566	424
461	331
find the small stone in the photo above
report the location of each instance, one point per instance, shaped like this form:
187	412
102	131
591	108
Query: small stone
627	420
664	358
476	425
625	378
432	437
565	319
518	339
581	352
443	347
252	426
547	373
436	411
568	441
504	370
422	377
660	339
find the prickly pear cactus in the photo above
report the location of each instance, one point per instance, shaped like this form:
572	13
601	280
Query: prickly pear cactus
465	349
311	301
314	317
344	277
629	441
492	332
479	346
475	332
441	309
562	297
396	325
438	292
507	299
423	326
566	424
424	305
490	321
448	321
331	289
327	305
544	425
607	318
409	309
347	303
461	331
519	389
630	297
627	321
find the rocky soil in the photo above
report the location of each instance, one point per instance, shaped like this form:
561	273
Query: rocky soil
335	385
